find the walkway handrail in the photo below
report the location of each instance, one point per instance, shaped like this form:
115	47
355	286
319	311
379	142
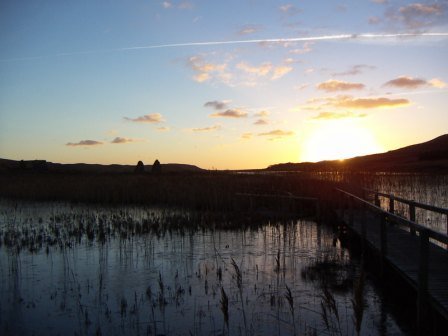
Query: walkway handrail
440	237
443	211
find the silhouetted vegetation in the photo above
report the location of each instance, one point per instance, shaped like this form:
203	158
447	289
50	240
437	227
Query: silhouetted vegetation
156	167
140	168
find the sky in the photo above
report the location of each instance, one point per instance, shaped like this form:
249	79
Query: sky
229	84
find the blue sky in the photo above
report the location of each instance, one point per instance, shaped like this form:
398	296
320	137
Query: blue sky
81	82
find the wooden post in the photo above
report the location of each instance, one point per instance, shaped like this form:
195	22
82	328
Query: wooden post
412	215
377	200
391	204
423	268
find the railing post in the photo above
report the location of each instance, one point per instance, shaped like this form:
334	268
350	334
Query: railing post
423	268
412	215
377	200
391	203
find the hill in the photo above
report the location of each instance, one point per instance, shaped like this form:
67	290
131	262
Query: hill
42	165
430	156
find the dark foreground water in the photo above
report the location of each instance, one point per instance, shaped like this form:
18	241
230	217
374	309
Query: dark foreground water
68	270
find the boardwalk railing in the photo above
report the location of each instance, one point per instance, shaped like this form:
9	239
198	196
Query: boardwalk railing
412	205
354	204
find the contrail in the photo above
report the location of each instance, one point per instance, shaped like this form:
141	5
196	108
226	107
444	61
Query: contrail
230	42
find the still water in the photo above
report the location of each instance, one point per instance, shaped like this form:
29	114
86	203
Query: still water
73	269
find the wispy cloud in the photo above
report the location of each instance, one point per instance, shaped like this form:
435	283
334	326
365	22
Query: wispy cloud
152	118
354	70
366	103
414	83
246	136
262	114
289	9
261	70
416	16
249	29
437	83
217	105
84	143
230	113
163	129
419	15
338	115
204	70
120	140
207	129
280	71
178	5
261	122
276	134
335	85
306	48
347	102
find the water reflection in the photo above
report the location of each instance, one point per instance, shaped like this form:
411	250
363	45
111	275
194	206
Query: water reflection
158	271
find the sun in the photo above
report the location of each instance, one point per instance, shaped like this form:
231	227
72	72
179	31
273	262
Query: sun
337	140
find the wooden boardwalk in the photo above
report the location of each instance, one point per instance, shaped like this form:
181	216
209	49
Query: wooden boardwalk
417	253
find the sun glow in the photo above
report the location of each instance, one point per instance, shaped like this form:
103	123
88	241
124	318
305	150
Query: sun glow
337	140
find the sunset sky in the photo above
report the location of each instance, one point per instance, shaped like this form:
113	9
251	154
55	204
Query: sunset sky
220	84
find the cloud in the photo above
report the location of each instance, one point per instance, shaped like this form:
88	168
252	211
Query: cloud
217	105
163	129
437	83
262	114
249	29
350	103
205	71
276	134
261	70
280	71
207	129
367	103
230	113
246	136
261	122
84	143
120	140
306	48
414	83
418	15
148	118
167	4
383	2
289	9
373	20
406	82
355	70
181	5
336	115
335	85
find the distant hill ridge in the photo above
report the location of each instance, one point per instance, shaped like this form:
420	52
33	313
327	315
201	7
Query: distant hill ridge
430	156
42	165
